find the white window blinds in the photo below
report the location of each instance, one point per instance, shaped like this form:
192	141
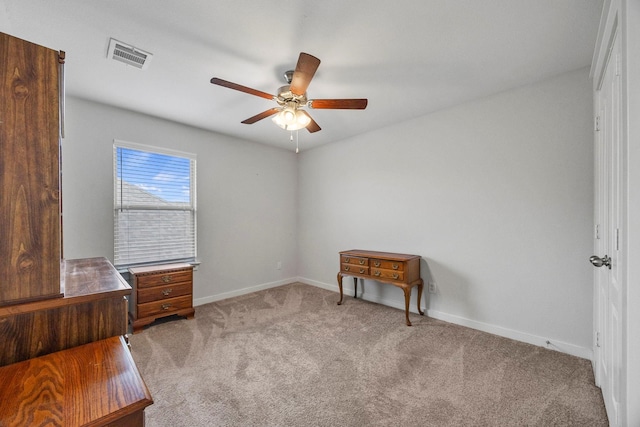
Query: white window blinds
154	206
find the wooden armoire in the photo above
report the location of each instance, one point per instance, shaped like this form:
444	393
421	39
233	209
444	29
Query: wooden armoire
64	357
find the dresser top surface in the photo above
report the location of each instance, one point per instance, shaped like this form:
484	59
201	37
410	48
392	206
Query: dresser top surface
159	268
381	255
81	280
77	386
91	276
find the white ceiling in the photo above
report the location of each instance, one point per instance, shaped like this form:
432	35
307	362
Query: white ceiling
408	57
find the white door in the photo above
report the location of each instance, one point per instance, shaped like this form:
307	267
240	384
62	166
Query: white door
608	292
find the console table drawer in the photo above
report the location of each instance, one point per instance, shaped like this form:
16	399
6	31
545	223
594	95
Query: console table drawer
164	278
158	293
355	269
387	265
164	306
355	260
387	274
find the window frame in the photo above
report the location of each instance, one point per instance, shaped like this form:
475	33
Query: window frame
191	206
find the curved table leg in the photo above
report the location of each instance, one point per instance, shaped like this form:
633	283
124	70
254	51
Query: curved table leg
407	297
340	286
420	287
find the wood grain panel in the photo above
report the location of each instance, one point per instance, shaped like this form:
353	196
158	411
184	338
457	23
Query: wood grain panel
96	384
30	247
93	308
42	332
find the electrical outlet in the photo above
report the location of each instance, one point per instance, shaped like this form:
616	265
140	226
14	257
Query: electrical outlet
278	265
432	287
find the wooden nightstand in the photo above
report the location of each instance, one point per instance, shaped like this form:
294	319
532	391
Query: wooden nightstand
160	291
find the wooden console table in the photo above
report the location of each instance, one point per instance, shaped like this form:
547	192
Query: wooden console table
400	270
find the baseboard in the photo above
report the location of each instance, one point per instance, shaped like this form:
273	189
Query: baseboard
243	291
563	347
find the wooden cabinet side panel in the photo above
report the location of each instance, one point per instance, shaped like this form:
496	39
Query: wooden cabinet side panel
412	270
39	333
29	171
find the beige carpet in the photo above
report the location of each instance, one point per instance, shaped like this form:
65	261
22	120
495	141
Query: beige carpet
290	356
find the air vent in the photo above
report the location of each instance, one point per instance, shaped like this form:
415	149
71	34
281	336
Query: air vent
128	54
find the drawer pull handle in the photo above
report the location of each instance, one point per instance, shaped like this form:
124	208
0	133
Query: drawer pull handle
346	259
361	270
166	292
166	279
376	263
361	262
166	306
346	268
395	275
394	266
376	273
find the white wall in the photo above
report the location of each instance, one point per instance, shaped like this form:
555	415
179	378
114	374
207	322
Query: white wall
495	195
247	197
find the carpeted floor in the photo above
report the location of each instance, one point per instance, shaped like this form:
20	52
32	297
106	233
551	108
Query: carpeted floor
290	356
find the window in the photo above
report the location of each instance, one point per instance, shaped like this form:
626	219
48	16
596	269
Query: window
154	205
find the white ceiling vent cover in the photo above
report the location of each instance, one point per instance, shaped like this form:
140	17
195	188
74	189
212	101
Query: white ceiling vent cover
130	55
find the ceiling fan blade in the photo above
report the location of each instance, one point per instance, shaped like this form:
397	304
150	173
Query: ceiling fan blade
263	115
302	75
339	104
312	126
245	89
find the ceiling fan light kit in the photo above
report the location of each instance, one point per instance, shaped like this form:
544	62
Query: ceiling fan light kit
291	98
291	118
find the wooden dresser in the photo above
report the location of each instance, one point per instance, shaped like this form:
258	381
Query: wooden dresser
160	291
400	270
62	357
93	308
96	384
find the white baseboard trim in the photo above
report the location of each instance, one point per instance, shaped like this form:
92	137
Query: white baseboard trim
563	347
243	291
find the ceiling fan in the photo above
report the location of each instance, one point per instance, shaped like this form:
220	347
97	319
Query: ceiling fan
291	98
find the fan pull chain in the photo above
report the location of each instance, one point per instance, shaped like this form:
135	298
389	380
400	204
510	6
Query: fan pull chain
291	139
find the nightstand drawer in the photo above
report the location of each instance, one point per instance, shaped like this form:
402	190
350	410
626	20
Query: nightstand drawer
158	293
164	278
164	306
